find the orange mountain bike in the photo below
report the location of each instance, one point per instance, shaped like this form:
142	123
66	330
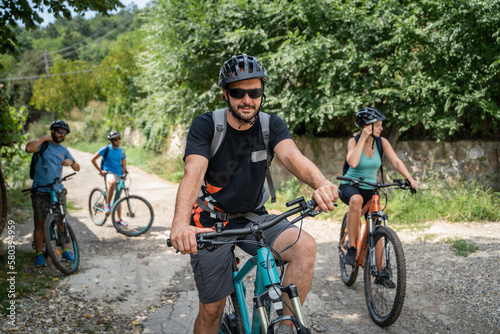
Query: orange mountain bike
381	253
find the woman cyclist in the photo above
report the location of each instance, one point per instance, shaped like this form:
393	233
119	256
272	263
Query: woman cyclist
364	160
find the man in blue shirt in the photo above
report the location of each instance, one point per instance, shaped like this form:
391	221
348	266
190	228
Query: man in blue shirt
113	167
55	157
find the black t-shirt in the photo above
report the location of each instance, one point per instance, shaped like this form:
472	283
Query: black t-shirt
236	173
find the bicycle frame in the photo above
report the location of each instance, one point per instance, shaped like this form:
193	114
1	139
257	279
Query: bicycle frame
266	276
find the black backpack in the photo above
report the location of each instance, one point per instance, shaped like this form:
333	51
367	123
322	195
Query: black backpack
380	148
36	156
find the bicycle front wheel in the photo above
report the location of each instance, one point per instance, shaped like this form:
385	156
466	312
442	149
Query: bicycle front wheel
61	244
231	321
136	213
385	277
349	273
97	202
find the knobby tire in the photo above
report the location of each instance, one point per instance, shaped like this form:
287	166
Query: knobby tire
136	212
349	273
54	246
97	202
231	321
384	303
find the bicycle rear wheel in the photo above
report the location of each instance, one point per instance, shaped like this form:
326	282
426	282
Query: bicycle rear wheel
55	239
385	280
349	273
136	212
231	321
97	202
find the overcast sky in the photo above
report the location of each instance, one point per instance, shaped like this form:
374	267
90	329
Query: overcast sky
49	18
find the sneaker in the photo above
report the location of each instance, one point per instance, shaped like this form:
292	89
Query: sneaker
40	261
68	256
106	210
284	329
350	256
385	281
121	223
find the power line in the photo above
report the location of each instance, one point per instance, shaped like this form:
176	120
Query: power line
44	76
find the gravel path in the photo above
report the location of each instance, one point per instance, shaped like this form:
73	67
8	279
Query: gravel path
137	285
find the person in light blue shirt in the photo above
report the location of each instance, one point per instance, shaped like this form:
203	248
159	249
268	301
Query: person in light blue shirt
113	167
364	160
49	167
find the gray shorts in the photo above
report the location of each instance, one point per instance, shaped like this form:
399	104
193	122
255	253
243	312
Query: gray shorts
40	201
213	270
112	176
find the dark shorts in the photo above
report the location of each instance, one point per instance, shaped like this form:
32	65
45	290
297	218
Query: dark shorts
213	270
348	191
41	203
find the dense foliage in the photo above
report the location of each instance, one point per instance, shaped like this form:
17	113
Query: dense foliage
432	66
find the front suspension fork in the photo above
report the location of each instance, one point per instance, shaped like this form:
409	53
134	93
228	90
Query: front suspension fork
274	293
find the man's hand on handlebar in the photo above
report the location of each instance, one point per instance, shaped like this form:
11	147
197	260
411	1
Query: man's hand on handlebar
183	238
326	196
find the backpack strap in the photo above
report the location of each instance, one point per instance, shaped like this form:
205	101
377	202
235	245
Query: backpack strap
380	149
40	152
265	119
220	120
104	156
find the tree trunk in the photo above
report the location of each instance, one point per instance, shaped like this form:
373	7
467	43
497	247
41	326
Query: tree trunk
3	204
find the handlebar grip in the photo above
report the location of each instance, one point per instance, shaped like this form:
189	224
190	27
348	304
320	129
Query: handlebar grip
169	243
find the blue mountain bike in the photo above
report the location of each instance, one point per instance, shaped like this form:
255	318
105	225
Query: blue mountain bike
137	212
57	233
268	302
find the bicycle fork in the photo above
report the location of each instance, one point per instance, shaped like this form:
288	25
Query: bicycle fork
273	292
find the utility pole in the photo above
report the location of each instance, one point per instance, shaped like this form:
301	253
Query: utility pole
47	72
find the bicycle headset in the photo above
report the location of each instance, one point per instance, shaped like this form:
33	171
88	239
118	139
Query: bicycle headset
239	68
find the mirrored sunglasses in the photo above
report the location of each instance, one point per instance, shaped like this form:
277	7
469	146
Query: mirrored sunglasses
61	131
239	93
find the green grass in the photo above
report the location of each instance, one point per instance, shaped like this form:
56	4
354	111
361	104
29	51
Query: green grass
28	278
462	247
438	200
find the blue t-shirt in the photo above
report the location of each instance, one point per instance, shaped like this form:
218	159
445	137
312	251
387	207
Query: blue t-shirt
367	168
54	155
113	161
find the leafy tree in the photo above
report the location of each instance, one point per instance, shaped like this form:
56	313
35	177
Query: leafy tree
432	66
11	124
27	12
115	78
70	84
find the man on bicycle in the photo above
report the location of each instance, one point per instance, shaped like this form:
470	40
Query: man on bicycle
55	157
231	183
113	166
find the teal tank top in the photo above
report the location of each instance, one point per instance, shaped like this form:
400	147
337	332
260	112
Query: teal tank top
367	168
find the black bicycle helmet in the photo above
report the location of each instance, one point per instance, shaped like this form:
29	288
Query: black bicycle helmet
60	125
368	116
240	68
113	134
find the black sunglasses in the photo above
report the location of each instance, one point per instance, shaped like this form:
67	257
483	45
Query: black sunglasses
60	131
115	139
239	93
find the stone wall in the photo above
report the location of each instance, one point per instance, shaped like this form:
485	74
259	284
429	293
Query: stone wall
469	160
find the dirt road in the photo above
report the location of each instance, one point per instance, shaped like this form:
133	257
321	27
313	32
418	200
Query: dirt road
134	285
